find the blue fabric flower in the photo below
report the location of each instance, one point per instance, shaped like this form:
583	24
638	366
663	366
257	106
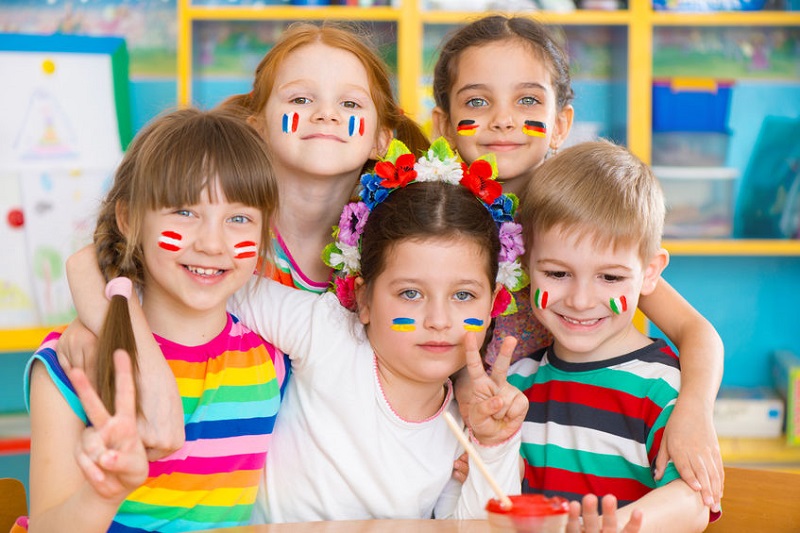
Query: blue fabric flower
502	209
372	193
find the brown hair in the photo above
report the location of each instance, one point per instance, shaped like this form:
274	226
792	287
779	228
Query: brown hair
596	189
494	28
170	163
425	210
300	34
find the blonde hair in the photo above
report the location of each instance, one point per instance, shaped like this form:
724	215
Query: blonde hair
597	190
300	34
170	163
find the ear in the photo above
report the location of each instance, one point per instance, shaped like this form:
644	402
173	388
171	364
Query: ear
442	126
121	214
563	125
382	140
362	301
653	270
258	124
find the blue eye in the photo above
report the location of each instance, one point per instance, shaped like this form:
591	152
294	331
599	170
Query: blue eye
183	212
528	101
477	102
239	219
411	294
463	296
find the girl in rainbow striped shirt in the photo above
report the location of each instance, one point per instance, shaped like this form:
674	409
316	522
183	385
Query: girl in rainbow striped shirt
186	220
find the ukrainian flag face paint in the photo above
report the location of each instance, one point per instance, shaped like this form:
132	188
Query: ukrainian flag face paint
403	324
534	128
473	324
467	127
289	122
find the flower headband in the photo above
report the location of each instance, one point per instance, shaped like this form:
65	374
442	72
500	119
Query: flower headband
440	163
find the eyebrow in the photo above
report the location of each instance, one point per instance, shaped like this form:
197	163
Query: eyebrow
524	85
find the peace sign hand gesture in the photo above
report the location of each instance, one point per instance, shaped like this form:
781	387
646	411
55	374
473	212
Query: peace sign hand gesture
111	454
497	408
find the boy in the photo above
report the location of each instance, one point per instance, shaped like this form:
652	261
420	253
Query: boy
601	395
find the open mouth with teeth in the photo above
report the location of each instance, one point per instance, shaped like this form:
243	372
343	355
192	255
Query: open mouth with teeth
199	271
585	323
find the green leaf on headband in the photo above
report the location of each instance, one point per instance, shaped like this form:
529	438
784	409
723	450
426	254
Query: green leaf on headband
395	150
331	248
514	202
441	149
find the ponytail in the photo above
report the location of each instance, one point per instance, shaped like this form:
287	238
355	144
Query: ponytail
410	133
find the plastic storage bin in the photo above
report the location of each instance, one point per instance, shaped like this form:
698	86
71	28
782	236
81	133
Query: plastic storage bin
691	104
699	201
690	149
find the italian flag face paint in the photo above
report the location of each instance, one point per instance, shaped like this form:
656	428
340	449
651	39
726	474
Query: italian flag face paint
540	299
289	123
473	324
355	125
170	241
466	127
403	324
245	250
534	128
618	305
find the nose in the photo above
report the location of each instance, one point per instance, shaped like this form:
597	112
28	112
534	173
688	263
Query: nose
210	238
502	119
437	315
325	113
581	296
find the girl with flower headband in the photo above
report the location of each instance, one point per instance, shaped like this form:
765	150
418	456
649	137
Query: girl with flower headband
502	85
185	222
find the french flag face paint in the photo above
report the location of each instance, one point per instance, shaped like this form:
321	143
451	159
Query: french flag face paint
618	305
473	324
467	127
540	299
289	123
403	324
355	126
533	128
245	250
170	241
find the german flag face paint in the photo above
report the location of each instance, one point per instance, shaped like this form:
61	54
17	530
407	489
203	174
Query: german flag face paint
618	305
289	122
170	241
534	128
403	324
473	324
467	127
540	299
355	126
245	250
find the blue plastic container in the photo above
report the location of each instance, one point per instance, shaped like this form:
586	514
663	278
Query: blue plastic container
691	104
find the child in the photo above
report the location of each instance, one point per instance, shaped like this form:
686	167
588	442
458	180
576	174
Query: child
601	394
502	85
186	220
322	101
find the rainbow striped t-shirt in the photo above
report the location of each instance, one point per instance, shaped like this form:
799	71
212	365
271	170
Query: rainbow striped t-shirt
230	394
287	271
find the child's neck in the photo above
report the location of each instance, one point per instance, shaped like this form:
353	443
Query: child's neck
412	401
181	325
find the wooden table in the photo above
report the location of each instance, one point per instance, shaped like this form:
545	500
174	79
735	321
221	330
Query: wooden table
368	526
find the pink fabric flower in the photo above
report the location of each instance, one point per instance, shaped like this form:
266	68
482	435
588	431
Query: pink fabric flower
346	292
351	224
501	302
511	245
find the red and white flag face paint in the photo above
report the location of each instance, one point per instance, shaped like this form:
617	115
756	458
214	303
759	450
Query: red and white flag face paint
170	241
245	250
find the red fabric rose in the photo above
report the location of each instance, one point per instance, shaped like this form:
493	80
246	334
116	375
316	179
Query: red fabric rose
399	174
478	179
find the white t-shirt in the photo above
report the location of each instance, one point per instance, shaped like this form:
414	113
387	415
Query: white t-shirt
339	451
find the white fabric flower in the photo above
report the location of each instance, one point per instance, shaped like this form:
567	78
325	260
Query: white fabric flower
431	168
509	273
349	258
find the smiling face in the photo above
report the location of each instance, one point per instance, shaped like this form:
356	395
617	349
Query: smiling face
504	93
197	256
418	309
320	118
581	290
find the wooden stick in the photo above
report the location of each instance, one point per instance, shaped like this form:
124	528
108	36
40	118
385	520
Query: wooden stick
505	501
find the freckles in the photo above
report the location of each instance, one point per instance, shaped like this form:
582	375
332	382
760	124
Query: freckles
245	250
540	299
618	305
534	128
466	127
170	241
403	324
356	125
473	324
289	122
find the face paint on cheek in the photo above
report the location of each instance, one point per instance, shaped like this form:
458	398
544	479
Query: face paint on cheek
540	299
403	324
355	125
534	128
467	127
618	305
473	324
245	250
289	122
170	241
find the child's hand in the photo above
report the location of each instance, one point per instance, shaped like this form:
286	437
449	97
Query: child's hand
111	454
594	523
497	408
691	442
461	468
77	347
